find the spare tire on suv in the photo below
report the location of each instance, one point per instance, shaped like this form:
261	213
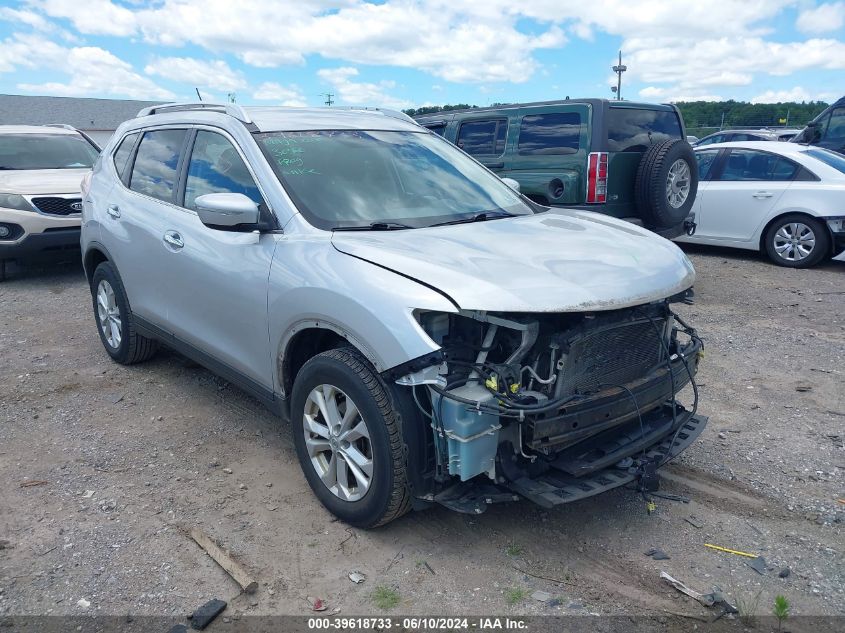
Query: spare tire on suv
666	183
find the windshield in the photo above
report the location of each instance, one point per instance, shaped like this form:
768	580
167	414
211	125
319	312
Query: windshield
355	178
45	151
837	161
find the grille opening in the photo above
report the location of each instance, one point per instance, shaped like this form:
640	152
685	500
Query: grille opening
54	205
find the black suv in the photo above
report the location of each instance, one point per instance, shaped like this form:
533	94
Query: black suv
826	130
628	160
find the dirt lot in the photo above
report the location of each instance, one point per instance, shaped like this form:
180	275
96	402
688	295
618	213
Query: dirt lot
155	443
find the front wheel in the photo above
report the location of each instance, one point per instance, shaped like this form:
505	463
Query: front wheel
348	439
797	241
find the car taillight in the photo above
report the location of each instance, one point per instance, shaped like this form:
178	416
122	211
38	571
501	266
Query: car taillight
597	177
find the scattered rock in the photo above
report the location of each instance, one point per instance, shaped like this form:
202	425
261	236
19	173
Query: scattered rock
357	577
228	471
82	602
541	596
784	573
657	554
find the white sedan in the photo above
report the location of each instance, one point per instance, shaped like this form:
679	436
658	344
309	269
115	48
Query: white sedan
784	199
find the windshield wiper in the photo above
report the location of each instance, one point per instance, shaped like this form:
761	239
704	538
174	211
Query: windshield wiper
375	226
478	217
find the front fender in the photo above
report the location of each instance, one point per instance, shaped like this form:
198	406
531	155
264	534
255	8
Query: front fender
312	285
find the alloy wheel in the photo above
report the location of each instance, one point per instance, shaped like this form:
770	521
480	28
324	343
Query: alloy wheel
794	241
678	183
338	442
108	314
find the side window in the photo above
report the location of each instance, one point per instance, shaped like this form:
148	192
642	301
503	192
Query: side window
706	159
216	167
836	127
744	164
483	138
553	133
154	171
121	154
713	139
437	128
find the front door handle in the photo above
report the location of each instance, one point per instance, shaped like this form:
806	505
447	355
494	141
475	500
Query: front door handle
173	239
113	210
763	194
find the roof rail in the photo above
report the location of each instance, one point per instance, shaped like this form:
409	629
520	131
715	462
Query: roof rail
232	109
393	114
64	126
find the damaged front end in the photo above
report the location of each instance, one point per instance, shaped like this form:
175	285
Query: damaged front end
553	407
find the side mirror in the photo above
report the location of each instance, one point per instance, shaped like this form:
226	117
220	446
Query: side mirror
513	184
223	210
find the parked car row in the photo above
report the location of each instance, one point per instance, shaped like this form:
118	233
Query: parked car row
762	134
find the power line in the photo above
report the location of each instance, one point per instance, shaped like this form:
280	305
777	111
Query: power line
328	96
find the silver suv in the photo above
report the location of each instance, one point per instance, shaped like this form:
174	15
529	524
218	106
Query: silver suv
432	335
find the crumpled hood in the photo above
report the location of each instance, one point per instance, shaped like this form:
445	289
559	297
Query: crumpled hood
30	182
558	261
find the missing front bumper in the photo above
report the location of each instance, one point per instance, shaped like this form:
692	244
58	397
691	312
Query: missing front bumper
556	487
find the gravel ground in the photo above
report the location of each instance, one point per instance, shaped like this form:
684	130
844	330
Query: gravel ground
104	467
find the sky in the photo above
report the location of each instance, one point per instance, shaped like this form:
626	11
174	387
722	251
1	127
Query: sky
409	53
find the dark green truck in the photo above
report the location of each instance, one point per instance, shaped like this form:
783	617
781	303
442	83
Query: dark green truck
628	160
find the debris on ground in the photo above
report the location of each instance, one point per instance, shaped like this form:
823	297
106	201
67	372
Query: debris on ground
225	560
228	471
758	564
357	577
87	494
178	628
730	551
693	521
541	596
203	616
657	554
318	604
428	567
784	573
82	602
34	482
803	387
5	543
715	598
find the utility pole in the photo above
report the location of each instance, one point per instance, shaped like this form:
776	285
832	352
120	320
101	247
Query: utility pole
328	96
619	69
231	96
722	124
199	96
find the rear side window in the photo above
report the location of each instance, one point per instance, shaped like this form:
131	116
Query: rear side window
216	167
706	159
553	133
744	164
121	155
154	171
484	138
630	130
437	128
835	131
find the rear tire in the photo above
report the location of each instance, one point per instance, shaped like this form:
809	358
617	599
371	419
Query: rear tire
666	184
115	323
796	241
348	439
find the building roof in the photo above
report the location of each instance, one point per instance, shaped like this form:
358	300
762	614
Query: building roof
81	113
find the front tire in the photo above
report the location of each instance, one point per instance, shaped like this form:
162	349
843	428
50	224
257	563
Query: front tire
796	241
115	323
348	439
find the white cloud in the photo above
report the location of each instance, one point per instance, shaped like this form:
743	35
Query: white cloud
92	70
794	94
357	93
214	74
287	96
93	17
24	16
822	19
671	95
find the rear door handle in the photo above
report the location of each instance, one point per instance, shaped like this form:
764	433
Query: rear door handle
174	239
763	194
113	210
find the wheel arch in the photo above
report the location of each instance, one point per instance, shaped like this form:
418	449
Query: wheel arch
306	339
95	255
761	241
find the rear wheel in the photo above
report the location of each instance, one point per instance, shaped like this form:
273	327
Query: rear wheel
348	440
797	241
666	184
114	320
